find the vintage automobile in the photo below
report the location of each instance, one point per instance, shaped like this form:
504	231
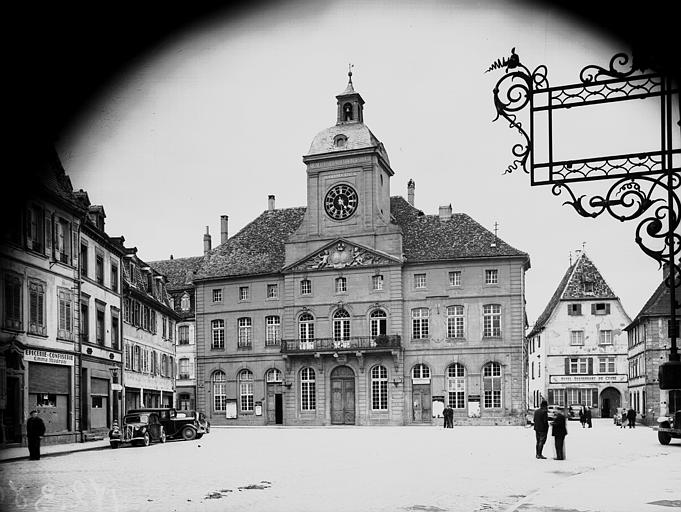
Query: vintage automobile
573	412
142	427
669	427
178	424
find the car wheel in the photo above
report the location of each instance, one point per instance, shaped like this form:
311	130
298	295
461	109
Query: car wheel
664	437
162	438
188	433
147	440
114	445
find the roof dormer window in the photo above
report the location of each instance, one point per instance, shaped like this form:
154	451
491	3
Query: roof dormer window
339	141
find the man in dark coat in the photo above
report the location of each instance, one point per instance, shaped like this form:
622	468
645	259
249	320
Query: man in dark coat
559	432
35	428
541	427
582	415
587	416
631	416
623	420
449	417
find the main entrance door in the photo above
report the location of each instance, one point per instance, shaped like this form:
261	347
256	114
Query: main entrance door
275	409
343	396
610	401
421	403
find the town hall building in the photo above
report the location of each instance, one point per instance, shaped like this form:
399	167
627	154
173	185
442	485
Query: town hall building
359	309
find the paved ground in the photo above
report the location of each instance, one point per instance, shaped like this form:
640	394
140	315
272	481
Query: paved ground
377	469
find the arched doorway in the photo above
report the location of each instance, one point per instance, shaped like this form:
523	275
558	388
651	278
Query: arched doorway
342	396
610	400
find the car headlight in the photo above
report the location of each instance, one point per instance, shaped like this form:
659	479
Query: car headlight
143	430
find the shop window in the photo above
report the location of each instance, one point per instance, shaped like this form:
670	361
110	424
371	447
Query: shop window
46	400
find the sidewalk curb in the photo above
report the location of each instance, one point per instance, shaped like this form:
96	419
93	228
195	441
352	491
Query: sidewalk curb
53	454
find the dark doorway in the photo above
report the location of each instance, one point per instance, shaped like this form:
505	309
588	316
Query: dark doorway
422	403
278	409
610	400
13	413
275	405
343	396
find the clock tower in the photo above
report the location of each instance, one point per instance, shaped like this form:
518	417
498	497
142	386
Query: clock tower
348	186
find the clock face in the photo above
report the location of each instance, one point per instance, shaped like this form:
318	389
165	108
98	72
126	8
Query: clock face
341	202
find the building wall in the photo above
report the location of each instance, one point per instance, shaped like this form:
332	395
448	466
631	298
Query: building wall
557	338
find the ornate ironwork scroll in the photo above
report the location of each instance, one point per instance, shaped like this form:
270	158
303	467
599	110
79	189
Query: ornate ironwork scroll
640	186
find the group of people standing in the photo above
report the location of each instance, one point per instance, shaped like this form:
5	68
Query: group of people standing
585	416
448	414
541	428
628	417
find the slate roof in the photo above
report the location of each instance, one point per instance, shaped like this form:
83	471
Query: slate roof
138	281
571	287
358	137
657	305
178	271
259	247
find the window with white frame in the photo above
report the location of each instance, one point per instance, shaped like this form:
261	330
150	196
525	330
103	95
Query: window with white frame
183	335
308	391
491	276
35	232
579	365
244	293
217	295
606	365
183	368
136	359
306	331
491	320
491	379
605	337
305	287
12	310
341	327
272	330
272	291
62	241
378	323
65	314
246	391
341	285
379	388
377	282
419	281
420	371
455	278
36	307
273	375
218	333
456	386
576	338
455	322
244	332
419	323
219	391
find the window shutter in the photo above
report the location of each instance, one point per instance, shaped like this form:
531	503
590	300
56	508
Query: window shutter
567	366
593	309
571	311
607	309
551	400
590	362
594	401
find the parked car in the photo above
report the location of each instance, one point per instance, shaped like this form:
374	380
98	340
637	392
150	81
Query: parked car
669	427
178	424
573	412
553	409
142	427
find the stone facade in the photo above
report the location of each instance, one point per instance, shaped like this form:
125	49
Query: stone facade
359	309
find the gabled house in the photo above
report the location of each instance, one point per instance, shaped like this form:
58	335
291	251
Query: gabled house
577	350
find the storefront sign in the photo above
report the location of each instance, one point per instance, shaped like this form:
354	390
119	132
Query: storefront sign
586	379
420	381
230	409
116	387
45	356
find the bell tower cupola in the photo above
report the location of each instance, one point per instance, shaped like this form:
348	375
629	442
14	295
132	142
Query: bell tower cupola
350	104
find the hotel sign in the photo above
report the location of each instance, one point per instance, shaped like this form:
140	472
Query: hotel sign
46	356
586	379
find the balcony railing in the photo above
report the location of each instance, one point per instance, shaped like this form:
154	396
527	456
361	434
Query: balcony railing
353	343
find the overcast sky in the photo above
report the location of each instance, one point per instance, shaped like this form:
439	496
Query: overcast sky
218	118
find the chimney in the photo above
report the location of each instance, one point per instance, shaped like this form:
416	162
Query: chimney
206	242
446	212
410	192
270	202
224	233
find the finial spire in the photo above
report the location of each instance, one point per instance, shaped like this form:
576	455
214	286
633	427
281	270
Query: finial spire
350	66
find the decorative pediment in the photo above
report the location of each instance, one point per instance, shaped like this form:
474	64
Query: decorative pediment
341	254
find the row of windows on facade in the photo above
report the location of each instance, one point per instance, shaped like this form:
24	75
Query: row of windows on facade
637	366
599	308
639	334
144	317
378	376
341	286
604	337
456	326
99	267
144	360
157	290
580	365
42	228
14	315
561	397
